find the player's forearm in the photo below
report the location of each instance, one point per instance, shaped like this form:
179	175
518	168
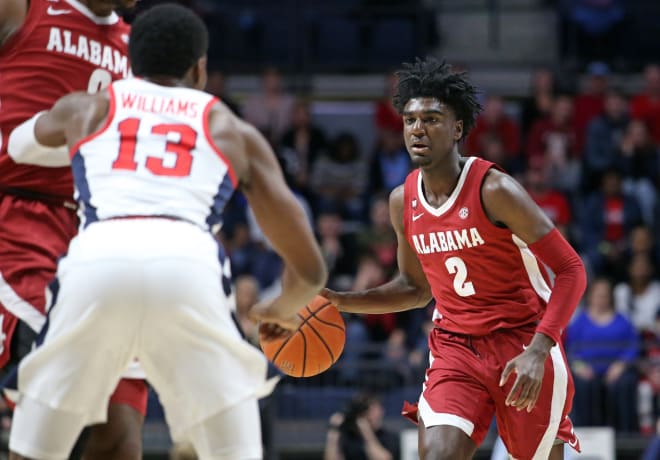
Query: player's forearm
570	283
25	146
396	295
299	289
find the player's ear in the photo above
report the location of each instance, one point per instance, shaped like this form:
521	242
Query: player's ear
458	130
200	75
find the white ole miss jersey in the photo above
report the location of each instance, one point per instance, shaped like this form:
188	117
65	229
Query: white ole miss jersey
153	157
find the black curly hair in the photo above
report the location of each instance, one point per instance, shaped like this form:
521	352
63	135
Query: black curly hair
166	40
432	78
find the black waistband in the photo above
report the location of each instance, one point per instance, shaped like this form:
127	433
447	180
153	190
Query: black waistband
38	196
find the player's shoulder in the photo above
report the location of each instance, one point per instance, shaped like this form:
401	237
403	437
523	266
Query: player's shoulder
497	182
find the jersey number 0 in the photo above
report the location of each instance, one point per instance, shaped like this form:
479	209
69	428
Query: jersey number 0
181	148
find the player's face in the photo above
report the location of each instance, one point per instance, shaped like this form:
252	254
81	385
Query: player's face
430	130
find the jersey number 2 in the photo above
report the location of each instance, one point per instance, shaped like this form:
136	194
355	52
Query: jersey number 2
462	287
187	137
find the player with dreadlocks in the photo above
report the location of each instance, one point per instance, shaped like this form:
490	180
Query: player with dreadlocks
471	238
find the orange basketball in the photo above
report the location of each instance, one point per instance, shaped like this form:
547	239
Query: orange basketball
315	346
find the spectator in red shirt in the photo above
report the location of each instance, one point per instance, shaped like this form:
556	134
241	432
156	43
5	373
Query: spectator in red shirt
646	106
493	121
386	117
554	139
551	201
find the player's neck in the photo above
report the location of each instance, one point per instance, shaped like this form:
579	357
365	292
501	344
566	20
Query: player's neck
442	177
166	81
100	11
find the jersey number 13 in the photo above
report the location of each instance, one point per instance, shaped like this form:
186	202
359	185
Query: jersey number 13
180	148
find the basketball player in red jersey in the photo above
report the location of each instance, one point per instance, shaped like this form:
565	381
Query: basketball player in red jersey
49	48
471	238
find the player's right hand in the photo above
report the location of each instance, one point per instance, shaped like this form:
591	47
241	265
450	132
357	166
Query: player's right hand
273	325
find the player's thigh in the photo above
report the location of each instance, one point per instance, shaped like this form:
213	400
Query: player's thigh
192	351
233	434
547	421
454	397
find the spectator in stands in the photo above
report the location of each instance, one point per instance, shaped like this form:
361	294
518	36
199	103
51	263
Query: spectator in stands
641	242
338	247
357	433
493	150
378	237
386	118
494	122
608	217
604	135
602	346
551	201
216	86
271	109
554	139
590	100
253	256
339	178
538	104
639	297
390	163
301	145
639	162
649	386
646	106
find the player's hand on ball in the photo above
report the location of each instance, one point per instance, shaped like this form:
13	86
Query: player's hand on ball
272	324
529	367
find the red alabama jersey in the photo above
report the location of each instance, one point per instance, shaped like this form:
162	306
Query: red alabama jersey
62	47
482	276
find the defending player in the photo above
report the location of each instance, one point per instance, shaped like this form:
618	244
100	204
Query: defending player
49	48
470	237
154	162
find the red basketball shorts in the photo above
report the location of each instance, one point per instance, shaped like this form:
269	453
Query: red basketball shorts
33	236
462	390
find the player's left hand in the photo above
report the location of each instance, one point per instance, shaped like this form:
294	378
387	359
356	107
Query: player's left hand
529	367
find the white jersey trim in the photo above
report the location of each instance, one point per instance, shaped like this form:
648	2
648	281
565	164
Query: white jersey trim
533	270
437	212
430	418
106	21
19	307
559	390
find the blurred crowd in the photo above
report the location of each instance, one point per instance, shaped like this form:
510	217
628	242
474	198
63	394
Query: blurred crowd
589	157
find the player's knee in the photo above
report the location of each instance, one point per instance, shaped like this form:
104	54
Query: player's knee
440	451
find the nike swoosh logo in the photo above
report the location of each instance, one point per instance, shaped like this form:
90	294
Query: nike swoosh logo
53	12
417	216
574	443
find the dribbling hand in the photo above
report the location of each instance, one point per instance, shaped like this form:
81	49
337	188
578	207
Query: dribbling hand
272	325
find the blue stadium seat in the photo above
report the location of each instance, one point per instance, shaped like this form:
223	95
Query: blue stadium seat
338	41
393	41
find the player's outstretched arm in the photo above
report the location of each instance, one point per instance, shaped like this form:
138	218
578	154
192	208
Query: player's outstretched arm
409	289
285	224
12	15
507	203
42	140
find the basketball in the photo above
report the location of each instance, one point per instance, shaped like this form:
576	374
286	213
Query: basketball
315	346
